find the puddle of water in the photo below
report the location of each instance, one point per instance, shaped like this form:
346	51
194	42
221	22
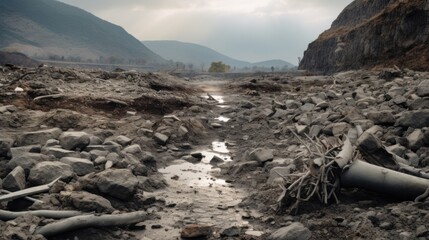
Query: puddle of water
199	197
218	98
193	174
222	119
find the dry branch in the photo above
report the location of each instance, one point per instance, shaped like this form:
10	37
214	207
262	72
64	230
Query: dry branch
8	215
28	191
85	221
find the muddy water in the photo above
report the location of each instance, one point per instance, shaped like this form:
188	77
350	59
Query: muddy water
197	193
199	197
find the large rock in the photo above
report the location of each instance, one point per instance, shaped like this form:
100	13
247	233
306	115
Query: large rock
38	137
160	138
423	88
414	119
15	180
354	40
81	166
118	183
85	201
74	140
5	145
46	172
27	161
196	231
295	231
261	155
416	139
382	117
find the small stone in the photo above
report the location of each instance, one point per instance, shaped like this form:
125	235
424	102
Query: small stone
15	180
196	231
405	236
421	231
414	119
86	201
386	226
5	148
123	140
261	155
230	232
160	138
416	139
295	231
382	117
80	166
216	125
216	160
423	88
74	140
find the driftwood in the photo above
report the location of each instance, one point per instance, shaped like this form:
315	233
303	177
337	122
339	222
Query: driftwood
85	221
28	191
28	198
321	180
52	96
8	215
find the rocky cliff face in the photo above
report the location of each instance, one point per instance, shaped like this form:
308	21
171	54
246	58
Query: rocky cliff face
373	33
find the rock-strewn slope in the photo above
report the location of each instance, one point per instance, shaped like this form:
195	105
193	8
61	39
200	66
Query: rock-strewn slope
373	33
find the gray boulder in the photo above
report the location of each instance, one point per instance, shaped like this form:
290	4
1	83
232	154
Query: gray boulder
46	172
295	231
382	117
123	140
160	138
74	140
27	161
81	166
86	201
414	119
416	139
423	88
38	137
118	183
5	145
15	180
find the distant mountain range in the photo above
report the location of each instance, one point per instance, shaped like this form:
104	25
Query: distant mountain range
201	56
51	29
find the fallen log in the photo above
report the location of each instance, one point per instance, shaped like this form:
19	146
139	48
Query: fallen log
9	215
364	175
28	191
86	221
52	96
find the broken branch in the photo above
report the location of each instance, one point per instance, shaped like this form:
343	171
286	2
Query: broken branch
85	221
8	215
28	191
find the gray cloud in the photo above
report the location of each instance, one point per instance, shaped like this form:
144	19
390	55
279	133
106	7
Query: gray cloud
251	30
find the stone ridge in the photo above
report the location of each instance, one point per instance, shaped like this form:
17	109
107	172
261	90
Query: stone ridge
370	34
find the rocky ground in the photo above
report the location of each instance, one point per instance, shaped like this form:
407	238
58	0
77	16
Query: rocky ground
196	155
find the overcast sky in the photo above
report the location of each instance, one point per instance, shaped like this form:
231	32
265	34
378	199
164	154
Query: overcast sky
251	30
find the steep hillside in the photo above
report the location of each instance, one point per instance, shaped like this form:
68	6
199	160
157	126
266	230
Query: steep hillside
202	56
372	34
18	59
47	28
